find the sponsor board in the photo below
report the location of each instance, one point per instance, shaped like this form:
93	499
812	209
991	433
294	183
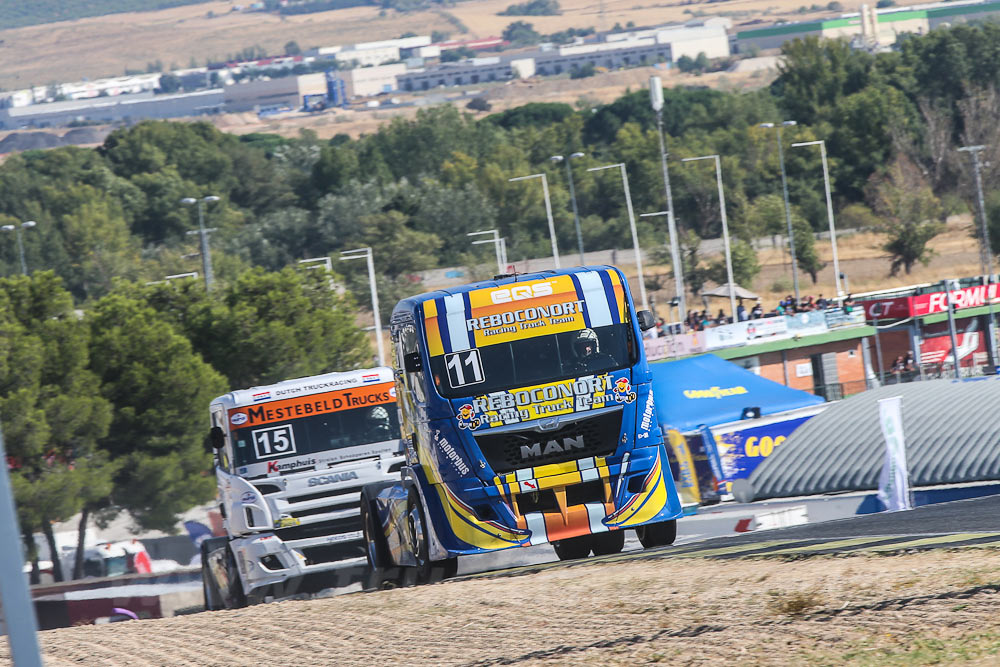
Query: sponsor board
741	451
494	315
305	406
512	406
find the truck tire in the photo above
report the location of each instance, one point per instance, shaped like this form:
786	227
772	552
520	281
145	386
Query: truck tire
574	547
376	550
611	542
234	597
227	596
213	597
660	534
416	525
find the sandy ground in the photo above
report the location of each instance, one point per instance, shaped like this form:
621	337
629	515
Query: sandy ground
106	46
827	610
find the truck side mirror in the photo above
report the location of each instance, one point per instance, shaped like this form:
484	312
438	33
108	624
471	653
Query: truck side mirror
645	319
411	362
216	438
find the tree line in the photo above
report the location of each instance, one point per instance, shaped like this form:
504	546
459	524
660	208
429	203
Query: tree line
85	328
104	409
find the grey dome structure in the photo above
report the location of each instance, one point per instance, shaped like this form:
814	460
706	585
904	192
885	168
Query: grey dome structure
951	427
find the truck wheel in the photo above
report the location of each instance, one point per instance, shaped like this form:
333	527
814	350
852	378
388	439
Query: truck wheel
213	598
574	547
657	534
234	597
611	542
417	527
375	547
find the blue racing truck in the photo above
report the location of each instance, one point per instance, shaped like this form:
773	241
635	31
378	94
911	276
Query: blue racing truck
527	417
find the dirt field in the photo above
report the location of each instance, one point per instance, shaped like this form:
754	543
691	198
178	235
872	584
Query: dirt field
827	611
106	46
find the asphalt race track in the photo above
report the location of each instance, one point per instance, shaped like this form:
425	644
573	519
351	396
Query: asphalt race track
945	525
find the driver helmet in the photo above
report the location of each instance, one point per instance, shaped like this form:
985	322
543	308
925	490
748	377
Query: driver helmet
586	344
378	417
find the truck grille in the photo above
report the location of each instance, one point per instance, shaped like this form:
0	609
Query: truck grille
346	525
512	450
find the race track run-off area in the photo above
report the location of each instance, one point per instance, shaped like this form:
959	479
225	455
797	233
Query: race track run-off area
869	590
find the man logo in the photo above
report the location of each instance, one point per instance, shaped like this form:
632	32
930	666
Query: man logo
521	292
551	447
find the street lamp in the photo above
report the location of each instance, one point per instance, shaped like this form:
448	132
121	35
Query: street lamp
548	211
20	244
829	209
725	230
572	198
206	257
788	212
987	251
656	100
635	235
366	254
499	247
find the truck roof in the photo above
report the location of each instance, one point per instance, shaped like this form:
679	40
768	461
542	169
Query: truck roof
313	384
410	304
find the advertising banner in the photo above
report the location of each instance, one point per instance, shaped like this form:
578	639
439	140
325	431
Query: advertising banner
687	477
767	327
966	297
678	345
891	308
838	317
726	335
894	482
935	348
807	323
741	451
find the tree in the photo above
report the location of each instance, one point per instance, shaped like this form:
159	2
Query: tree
169	83
160	389
479	104
533	8
805	248
52	418
745	265
292	48
520	33
911	214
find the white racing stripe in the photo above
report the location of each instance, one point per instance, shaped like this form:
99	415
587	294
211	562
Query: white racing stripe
536	524
454	306
596	512
595	298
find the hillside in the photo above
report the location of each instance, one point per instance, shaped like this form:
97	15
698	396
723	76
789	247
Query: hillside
15	14
41	54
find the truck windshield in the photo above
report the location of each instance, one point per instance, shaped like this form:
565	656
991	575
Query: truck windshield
315	434
535	360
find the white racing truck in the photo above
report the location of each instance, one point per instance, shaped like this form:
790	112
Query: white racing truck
290	460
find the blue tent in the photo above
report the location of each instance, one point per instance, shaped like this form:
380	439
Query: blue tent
707	391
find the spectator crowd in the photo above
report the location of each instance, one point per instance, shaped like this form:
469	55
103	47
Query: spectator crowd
699	321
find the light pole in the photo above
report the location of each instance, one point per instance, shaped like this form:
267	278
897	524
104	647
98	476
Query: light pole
631	222
497	247
656	100
987	251
572	198
548	211
20	244
327	264
725	230
829	209
788	211
366	253
206	257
